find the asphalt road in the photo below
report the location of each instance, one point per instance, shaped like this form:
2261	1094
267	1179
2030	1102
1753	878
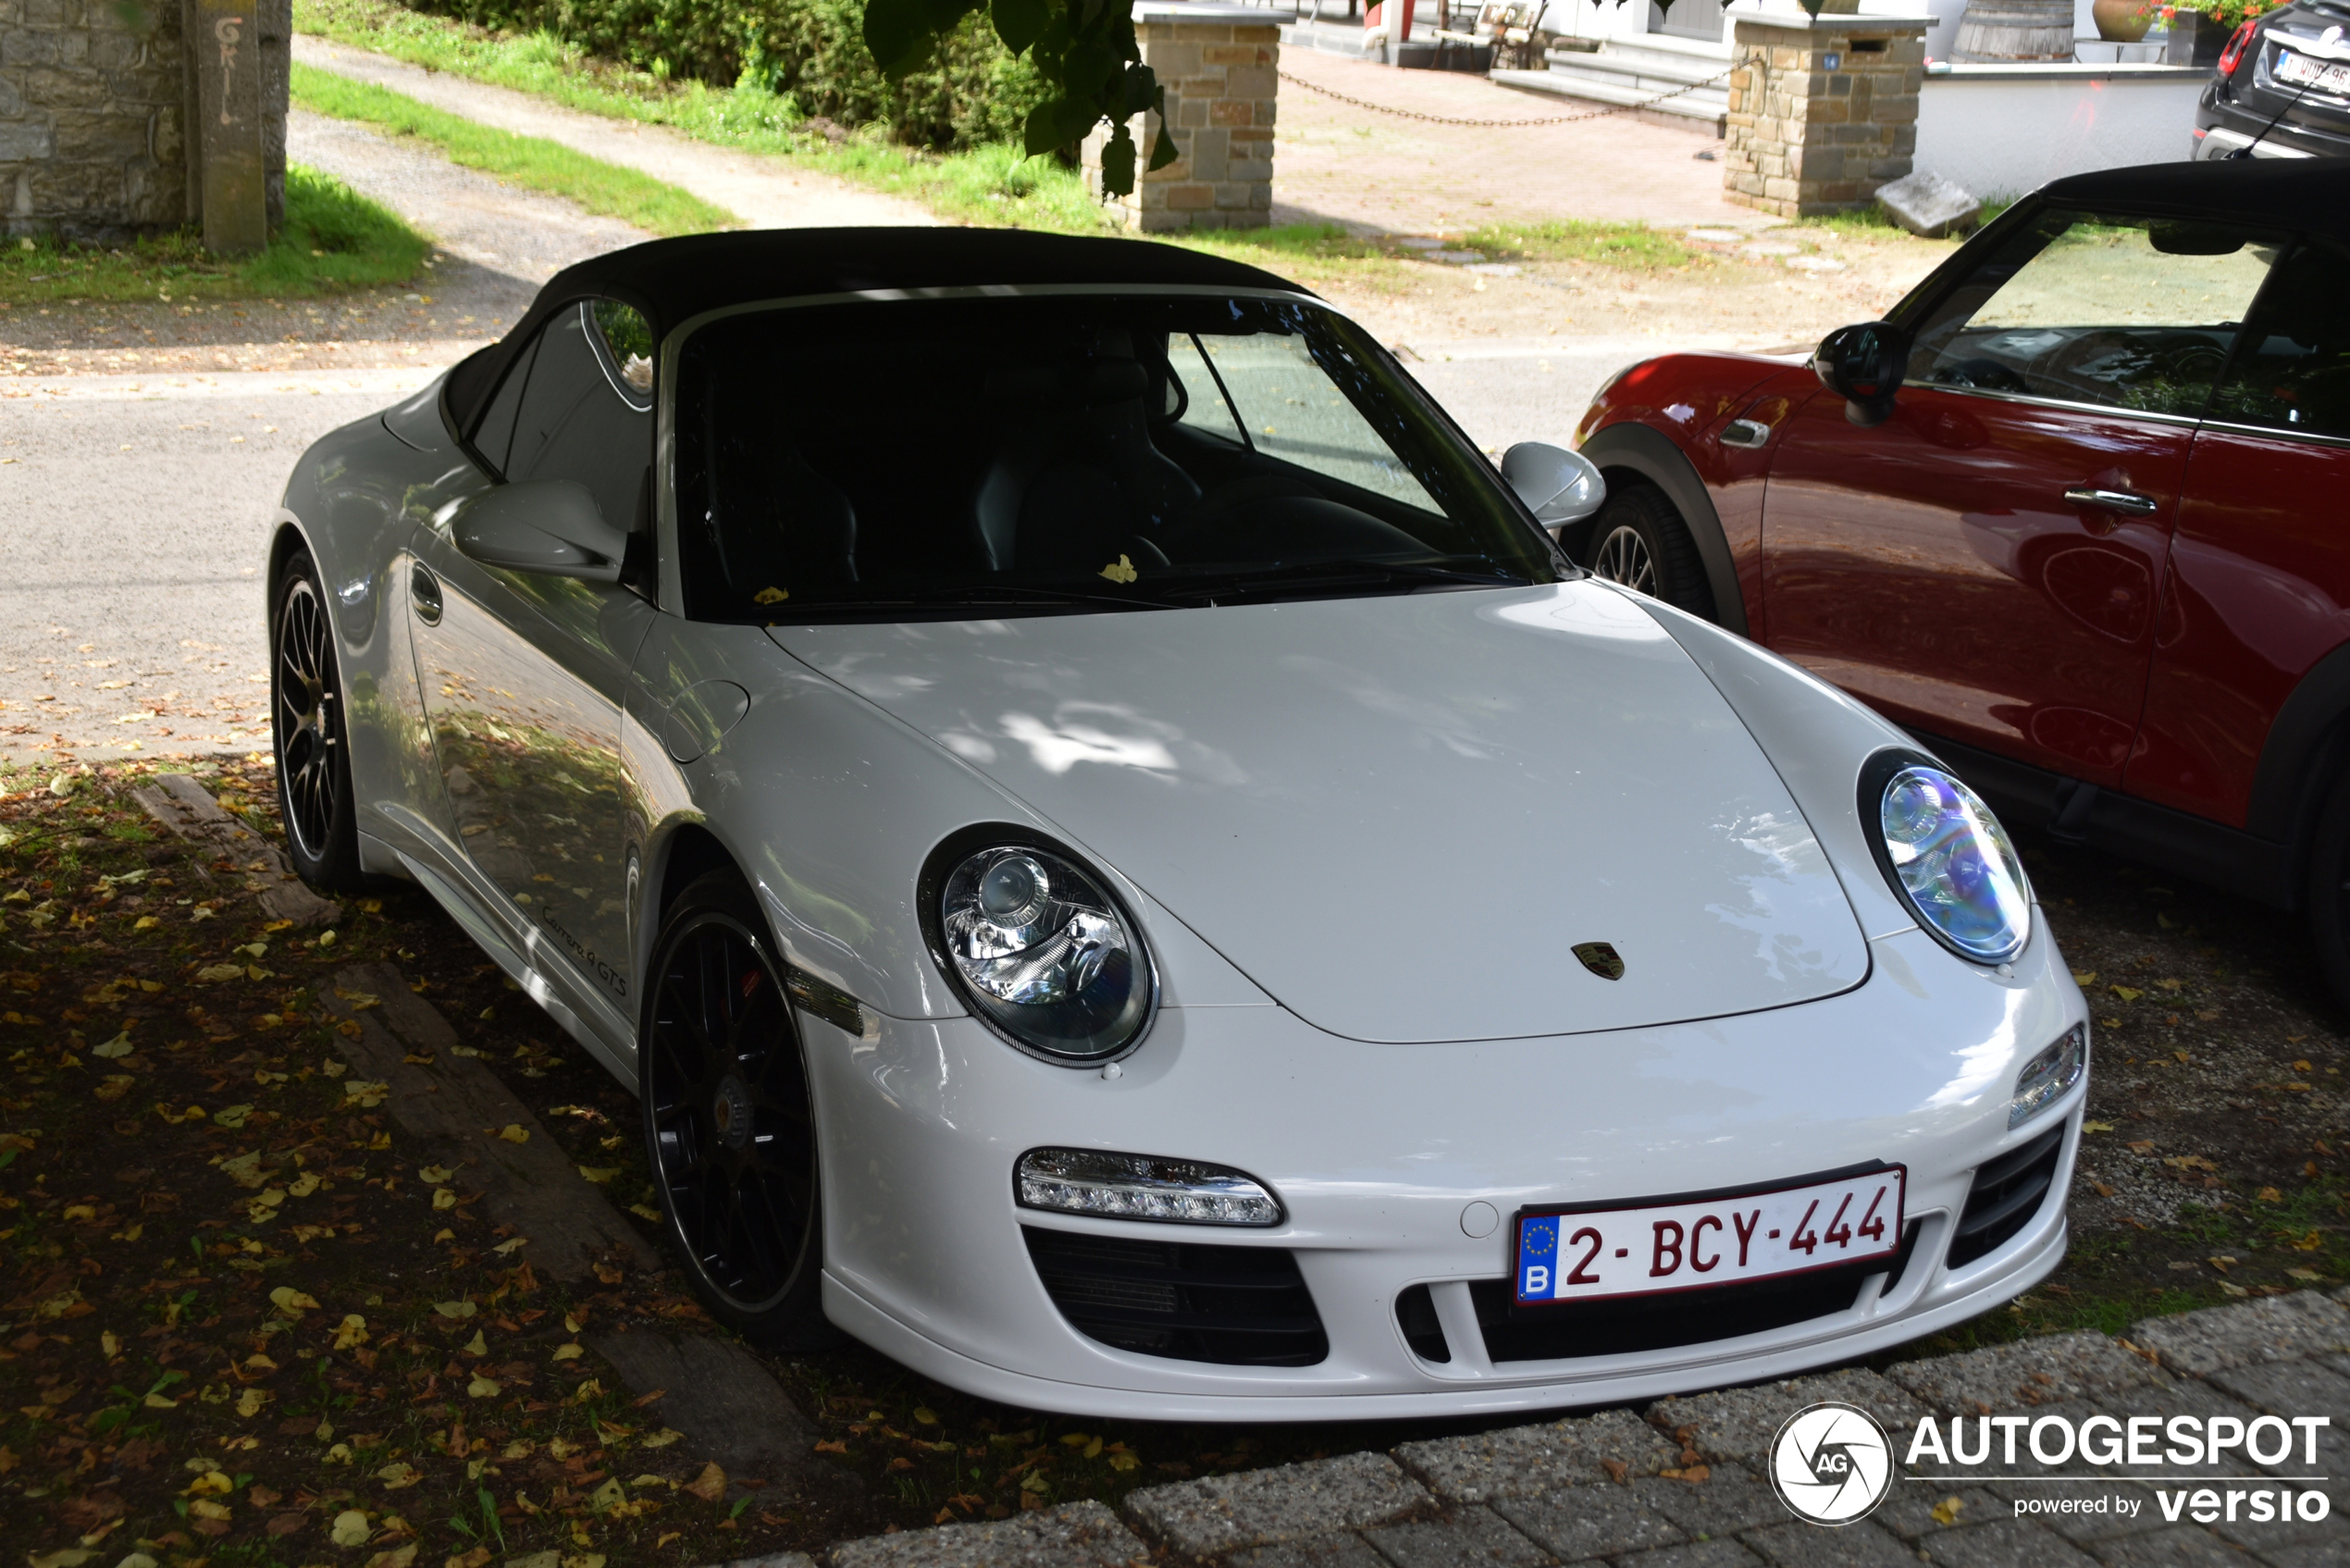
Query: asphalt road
137	515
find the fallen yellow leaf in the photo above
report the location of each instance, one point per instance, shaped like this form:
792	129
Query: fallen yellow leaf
514	1133
455	1309
567	1352
481	1388
709	1486
293	1303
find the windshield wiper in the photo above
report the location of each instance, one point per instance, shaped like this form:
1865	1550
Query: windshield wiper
1009	596
1341	573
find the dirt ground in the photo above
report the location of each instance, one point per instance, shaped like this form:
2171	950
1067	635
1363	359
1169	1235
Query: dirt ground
157	1027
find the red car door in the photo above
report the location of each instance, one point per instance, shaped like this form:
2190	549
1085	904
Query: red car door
1986	563
2259	582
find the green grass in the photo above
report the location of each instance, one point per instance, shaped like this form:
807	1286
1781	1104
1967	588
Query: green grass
333	239
1630	247
992	187
608	189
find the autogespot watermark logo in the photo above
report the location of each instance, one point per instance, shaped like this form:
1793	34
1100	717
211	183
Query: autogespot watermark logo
1831	1464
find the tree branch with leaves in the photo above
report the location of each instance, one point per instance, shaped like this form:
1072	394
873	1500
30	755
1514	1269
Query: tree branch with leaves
1083	50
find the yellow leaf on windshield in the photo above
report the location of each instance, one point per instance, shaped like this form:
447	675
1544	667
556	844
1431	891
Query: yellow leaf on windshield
1121	570
770	595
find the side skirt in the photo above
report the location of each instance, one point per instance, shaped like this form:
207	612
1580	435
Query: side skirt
2074	812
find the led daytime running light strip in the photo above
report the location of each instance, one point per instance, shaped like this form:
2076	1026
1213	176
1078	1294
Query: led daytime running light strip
1142	1186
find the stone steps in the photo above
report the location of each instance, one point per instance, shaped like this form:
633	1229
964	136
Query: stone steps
1638	74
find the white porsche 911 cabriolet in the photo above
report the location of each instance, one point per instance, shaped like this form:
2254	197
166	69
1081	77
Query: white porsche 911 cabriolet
1127	872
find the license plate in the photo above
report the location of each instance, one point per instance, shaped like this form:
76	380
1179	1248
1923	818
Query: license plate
1582	1254
2303	72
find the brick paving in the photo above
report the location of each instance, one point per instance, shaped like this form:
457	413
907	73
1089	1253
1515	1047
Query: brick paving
1625	1489
1383	174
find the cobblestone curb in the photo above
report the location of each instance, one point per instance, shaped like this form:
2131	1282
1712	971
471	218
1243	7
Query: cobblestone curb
1681	1484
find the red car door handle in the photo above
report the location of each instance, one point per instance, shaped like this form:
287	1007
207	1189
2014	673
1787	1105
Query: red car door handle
2128	501
1746	433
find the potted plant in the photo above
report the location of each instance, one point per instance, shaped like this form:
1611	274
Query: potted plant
2199	28
2123	21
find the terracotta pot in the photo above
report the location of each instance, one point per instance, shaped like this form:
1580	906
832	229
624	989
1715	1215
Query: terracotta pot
2123	21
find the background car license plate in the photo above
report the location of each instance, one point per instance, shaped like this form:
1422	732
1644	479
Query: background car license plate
2302	70
1584	1254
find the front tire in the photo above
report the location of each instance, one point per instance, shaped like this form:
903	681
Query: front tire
312	733
730	1125
2329	891
1641	542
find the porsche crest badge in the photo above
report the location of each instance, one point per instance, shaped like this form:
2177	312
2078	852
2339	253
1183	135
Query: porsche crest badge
1600	958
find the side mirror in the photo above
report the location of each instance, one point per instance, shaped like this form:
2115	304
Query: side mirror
1560	486
550	527
1865	365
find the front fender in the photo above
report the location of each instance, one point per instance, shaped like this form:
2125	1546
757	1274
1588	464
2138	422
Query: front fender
1650	454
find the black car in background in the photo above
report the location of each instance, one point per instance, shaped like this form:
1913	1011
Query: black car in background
2282	87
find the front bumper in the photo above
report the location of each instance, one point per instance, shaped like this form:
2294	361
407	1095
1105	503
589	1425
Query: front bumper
1376	1151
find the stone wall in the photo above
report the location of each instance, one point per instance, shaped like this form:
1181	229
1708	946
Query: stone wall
1823	110
1219	66
93	123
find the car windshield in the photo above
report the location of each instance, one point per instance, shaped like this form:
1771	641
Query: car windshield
1069	452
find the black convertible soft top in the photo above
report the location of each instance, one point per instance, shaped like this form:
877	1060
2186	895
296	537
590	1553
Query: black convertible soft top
2311	195
673	280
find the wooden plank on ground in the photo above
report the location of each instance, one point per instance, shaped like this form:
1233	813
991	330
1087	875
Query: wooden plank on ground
713	1390
188	811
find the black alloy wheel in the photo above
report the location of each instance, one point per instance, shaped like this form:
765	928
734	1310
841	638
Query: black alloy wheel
730	1126
1640	542
313	753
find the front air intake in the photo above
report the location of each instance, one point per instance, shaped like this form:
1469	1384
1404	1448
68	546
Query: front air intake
2007	1193
1189	1300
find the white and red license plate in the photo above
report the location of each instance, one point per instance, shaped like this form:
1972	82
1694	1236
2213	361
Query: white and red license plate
1585	1254
2303	71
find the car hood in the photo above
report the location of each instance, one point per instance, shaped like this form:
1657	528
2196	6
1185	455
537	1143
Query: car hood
1399	815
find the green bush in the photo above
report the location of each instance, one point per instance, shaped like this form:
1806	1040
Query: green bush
811	51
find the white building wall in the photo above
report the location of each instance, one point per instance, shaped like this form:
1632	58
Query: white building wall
2003	131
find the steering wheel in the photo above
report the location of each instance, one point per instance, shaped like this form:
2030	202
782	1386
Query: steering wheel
1985	375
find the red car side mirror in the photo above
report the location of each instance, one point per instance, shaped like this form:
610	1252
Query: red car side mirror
1865	365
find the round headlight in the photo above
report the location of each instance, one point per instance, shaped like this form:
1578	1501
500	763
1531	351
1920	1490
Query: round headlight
1948	858
1042	950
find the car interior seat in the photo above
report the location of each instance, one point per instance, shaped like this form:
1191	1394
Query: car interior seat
1076	479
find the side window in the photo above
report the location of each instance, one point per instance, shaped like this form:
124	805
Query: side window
1204	409
583	417
2293	371
2119	311
494	436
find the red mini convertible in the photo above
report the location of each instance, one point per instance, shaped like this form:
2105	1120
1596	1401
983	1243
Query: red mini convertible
2077	513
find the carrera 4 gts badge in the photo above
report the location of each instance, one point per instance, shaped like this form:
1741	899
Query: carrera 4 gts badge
1600	958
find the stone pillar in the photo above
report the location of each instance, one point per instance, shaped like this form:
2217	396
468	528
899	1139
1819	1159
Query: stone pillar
90	120
1823	110
1217	64
238	70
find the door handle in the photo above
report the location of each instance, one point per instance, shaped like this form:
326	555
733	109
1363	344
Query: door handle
2127	501
1746	433
424	588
